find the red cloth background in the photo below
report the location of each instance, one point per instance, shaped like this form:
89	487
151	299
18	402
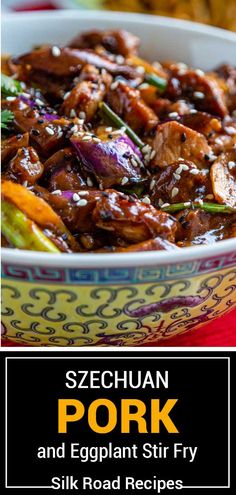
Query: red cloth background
219	333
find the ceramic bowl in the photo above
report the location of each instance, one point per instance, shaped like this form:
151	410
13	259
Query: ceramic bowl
117	299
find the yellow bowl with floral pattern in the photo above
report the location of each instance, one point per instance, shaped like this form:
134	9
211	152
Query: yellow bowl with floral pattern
117	299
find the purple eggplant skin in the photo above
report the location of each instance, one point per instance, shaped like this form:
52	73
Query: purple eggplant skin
32	103
110	160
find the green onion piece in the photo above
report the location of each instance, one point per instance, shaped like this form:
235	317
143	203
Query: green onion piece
154	80
118	122
6	117
22	232
9	86
209	207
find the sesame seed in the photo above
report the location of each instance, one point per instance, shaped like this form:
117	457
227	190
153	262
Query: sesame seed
97	140
87	137
145	148
26	95
218	141
231	165
39	102
56	52
193	110
173	115
74	128
120	59
199	95
72	113
199	200
119	131
60	134
11	98
183	137
75	197
179	169
66	95
209	196
184	167
25	183
199	72
164	205
89	182
124	181
160	202
35	132
152	184
143	86
194	171
133	162
49	130
176	176
182	65
140	69
82	202
174	192
181	72
108	129
146	200
101	187
82	115
153	154
212	157
187	203
83	193
57	191
230	130
114	85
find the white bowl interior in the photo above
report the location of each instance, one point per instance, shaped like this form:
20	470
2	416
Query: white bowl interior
162	38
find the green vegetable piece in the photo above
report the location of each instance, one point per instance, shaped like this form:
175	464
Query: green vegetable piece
154	80
6	117
10	86
118	122
209	207
22	232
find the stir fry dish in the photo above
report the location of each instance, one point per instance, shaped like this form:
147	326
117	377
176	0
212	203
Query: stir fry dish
103	151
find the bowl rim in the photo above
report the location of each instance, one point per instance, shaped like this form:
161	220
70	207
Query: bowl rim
119	260
105	260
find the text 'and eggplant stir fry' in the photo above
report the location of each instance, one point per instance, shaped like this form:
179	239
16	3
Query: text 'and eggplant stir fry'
103	151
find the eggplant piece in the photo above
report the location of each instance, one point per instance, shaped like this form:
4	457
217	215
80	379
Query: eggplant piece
128	104
70	61
179	182
63	171
112	161
88	93
25	166
132	220
204	90
118	42
73	209
10	146
47	137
